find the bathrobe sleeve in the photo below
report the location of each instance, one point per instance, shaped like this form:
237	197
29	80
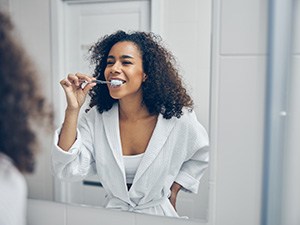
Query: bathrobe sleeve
78	162
197	156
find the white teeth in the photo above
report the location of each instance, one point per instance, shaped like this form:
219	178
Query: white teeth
115	83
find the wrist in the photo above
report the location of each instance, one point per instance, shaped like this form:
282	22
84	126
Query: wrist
175	188
70	110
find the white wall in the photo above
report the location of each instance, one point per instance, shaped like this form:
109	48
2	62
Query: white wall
291	179
33	29
186	28
238	92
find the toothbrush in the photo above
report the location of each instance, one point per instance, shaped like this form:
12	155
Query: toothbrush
113	83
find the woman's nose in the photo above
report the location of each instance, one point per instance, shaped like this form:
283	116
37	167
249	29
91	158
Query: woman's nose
116	68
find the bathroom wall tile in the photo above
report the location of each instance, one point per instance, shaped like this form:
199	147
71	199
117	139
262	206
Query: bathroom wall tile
40	182
192	51
296	47
79	215
191	11
199	88
45	213
243	27
291	176
240	139
190	40
198	208
181	11
36	189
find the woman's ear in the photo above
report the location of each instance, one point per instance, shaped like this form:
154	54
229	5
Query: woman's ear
144	77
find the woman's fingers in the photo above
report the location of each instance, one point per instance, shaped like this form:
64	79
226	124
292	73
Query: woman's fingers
88	87
75	91
73	79
65	82
77	80
83	77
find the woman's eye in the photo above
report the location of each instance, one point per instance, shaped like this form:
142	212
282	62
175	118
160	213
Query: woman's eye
127	62
109	62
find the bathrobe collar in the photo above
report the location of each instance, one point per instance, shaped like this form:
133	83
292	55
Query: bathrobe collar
160	134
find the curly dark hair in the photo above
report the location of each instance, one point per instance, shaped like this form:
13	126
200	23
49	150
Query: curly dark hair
22	104
163	90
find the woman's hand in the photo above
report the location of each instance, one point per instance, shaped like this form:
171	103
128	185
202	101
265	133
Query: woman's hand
174	191
75	94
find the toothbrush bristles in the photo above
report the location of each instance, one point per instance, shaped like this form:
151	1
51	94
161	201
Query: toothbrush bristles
116	82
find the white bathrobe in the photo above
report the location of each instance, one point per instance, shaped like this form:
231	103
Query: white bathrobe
177	151
13	193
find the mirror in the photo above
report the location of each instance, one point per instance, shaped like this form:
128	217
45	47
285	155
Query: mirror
184	27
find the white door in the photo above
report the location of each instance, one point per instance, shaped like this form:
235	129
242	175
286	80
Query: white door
84	23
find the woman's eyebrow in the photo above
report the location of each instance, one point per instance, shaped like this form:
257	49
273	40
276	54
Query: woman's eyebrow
127	57
122	57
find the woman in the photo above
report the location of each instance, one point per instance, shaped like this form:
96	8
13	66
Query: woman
22	105
142	139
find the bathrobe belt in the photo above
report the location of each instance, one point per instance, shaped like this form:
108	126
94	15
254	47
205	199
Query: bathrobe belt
116	203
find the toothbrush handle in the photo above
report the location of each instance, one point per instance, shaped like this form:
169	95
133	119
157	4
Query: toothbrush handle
94	81
100	82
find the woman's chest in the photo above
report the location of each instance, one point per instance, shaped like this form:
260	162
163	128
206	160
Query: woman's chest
135	136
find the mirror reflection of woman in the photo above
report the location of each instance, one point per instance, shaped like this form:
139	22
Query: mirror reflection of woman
141	137
22	105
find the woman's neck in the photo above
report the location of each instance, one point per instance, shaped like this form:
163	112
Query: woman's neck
132	110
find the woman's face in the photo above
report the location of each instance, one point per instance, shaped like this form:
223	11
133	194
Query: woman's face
124	62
